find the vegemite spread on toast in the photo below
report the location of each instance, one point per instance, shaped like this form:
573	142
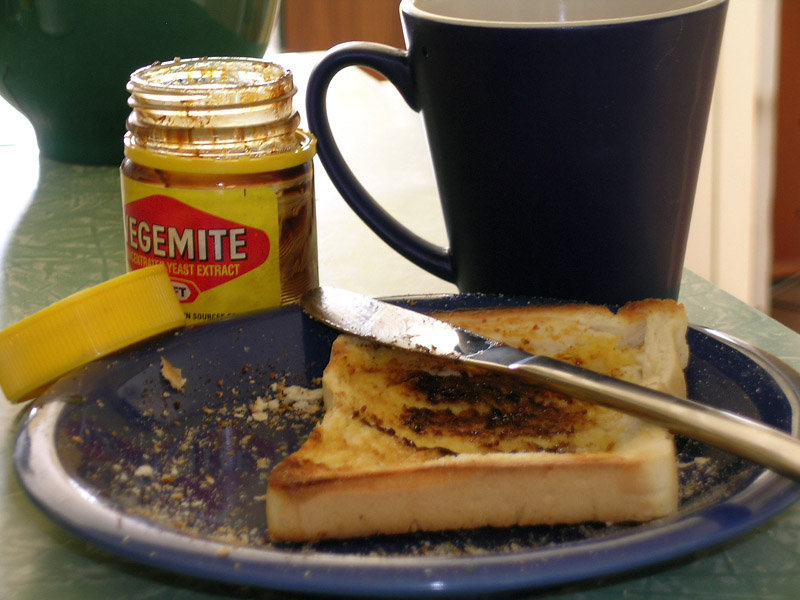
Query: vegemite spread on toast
438	404
489	408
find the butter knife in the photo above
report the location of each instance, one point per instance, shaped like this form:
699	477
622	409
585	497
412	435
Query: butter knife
392	325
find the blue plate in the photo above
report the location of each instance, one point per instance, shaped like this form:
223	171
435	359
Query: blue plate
177	480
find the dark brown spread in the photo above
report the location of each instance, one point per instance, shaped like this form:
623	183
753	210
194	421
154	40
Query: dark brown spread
488	408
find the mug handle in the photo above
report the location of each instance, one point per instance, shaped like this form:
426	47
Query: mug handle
393	64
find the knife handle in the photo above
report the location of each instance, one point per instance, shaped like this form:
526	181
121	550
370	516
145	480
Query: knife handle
739	435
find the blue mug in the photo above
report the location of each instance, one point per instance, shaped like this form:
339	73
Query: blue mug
566	138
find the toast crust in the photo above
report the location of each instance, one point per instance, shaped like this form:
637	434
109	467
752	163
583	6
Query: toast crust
498	490
374	466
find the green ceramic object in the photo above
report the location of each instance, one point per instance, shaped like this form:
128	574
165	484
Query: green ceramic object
64	63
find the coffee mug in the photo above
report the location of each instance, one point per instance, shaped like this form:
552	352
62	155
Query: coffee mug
64	64
565	135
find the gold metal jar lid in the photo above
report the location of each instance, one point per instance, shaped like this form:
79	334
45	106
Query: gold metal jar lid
90	324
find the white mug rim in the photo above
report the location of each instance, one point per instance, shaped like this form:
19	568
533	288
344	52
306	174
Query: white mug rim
410	7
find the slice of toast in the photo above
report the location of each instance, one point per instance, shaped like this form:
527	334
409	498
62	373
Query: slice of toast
411	442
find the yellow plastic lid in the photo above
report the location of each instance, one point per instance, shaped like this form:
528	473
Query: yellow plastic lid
87	325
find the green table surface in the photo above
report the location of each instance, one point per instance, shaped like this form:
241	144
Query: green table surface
61	231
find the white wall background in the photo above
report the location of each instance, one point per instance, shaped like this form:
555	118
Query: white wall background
730	240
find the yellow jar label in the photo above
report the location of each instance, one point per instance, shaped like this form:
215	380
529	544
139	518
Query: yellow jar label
220	247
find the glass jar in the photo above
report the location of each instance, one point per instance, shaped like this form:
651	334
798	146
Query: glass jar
217	184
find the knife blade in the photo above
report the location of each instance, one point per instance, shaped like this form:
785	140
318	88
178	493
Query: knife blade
403	328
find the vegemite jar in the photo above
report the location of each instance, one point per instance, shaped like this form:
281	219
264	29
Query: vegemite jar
217	184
